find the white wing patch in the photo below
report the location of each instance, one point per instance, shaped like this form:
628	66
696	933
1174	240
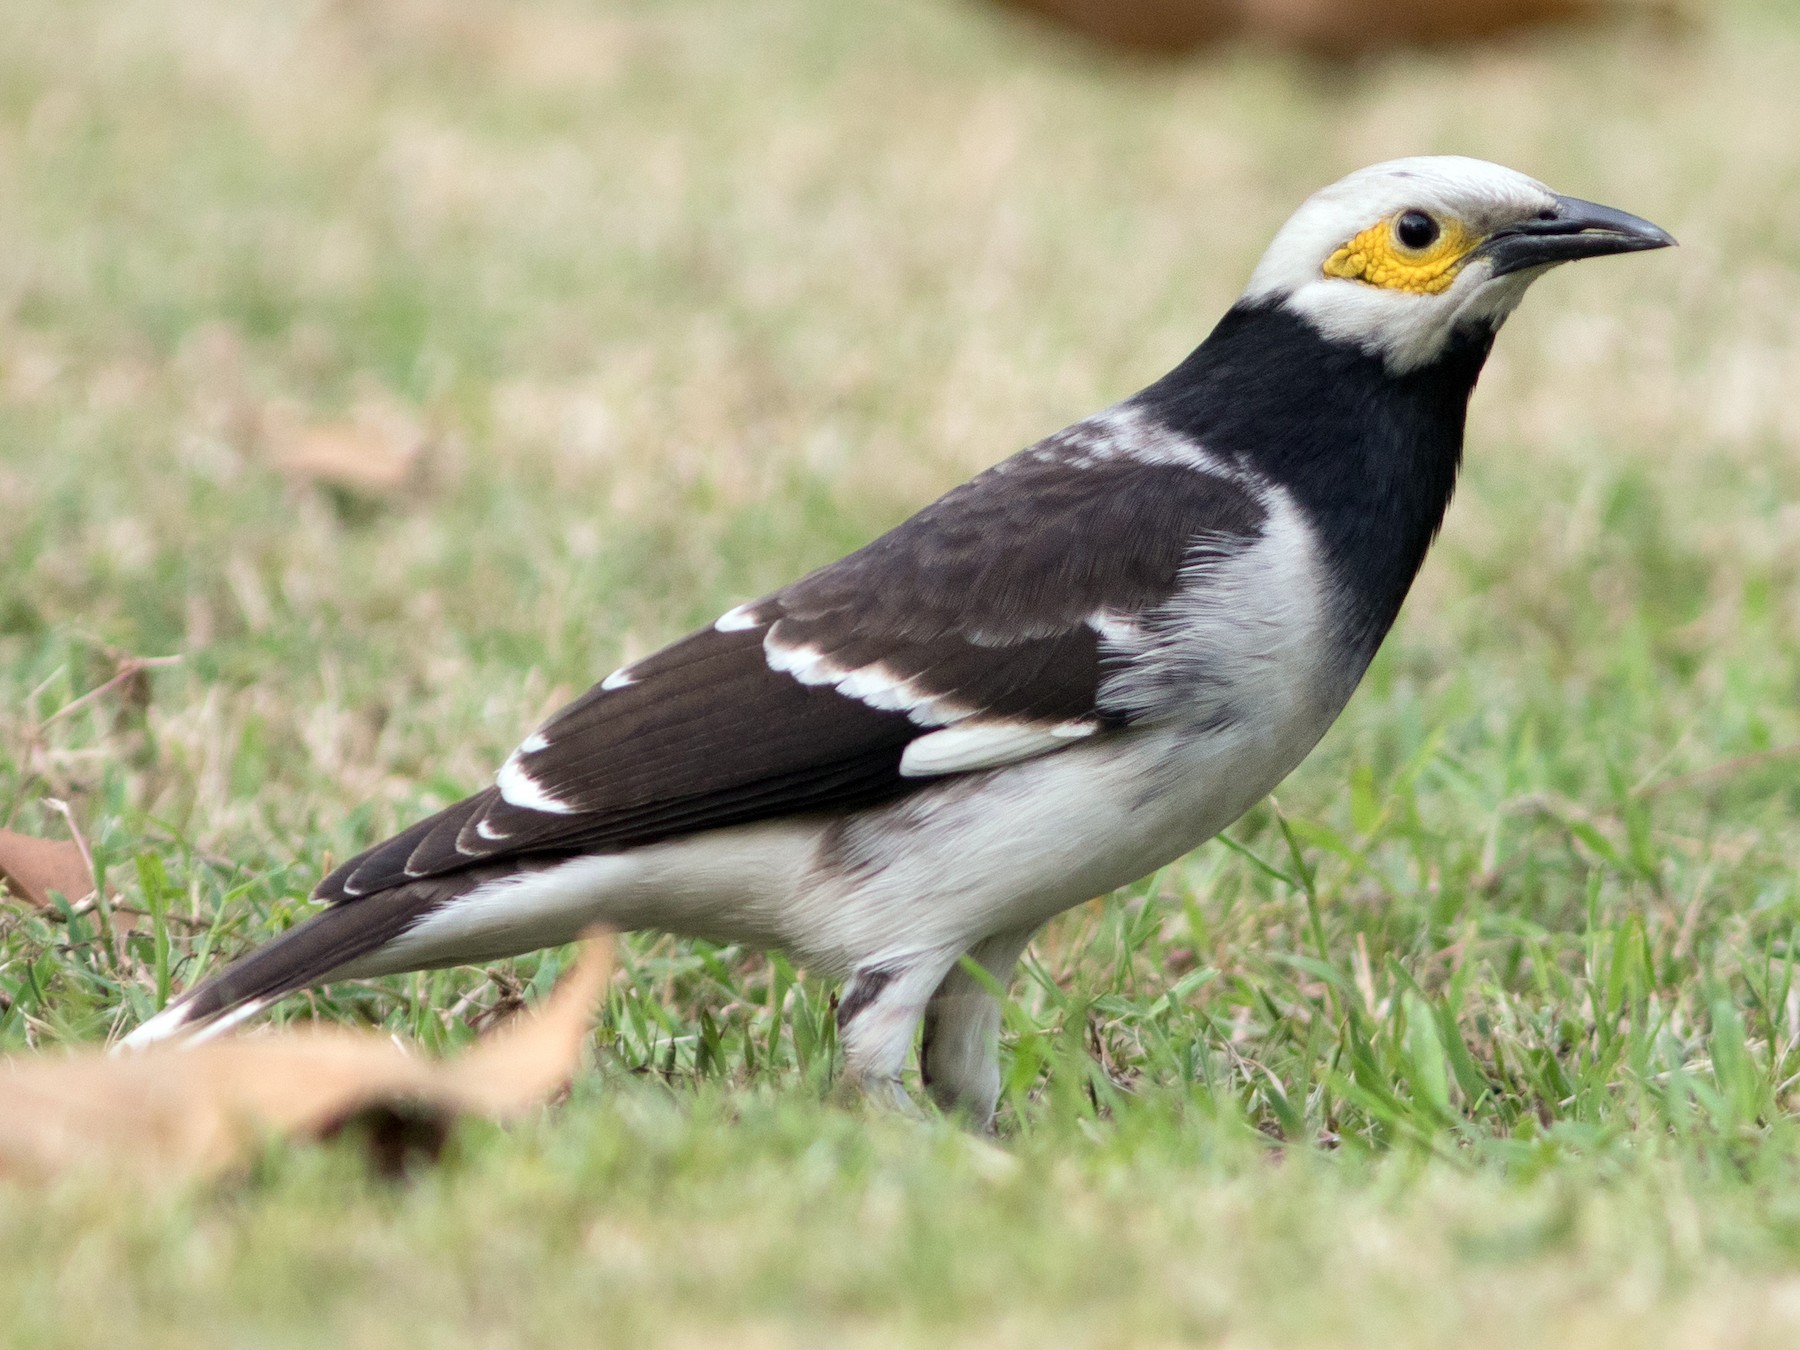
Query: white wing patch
874	685
986	745
618	679
522	790
1120	630
737	620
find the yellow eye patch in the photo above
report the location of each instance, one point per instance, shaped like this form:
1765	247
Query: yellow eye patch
1376	257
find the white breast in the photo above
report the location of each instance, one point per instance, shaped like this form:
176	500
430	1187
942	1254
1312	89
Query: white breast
1247	640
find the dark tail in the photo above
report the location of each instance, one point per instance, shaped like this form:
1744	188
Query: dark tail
308	954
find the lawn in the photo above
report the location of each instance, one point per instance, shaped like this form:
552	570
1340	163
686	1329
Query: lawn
1486	1033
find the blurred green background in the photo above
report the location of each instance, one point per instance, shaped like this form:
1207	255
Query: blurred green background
403	367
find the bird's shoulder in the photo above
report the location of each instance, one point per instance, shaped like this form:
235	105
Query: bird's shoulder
1098	518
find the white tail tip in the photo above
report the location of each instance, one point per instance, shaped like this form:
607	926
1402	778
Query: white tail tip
166	1024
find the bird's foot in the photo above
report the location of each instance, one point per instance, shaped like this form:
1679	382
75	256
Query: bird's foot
881	1093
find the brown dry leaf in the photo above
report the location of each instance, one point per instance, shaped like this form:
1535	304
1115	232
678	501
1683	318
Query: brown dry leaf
1142	25
378	452
1348	27
1328	28
31	868
177	1112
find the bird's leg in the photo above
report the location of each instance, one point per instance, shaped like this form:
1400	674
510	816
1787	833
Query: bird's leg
877	1016
960	1057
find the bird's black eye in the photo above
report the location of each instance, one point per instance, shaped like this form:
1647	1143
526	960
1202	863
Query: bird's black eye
1415	229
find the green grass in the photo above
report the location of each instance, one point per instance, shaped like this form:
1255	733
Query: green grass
1488	1034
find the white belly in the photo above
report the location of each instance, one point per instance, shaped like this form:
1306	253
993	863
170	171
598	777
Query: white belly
981	857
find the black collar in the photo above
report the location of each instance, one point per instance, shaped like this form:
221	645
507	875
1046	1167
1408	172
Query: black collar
1369	456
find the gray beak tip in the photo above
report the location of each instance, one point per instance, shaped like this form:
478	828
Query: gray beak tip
1570	230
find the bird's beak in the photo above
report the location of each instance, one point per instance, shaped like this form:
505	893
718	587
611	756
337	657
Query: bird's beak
1569	230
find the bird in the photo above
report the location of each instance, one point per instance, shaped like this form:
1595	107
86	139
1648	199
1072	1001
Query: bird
1060	676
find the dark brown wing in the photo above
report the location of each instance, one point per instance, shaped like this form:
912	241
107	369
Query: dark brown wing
969	636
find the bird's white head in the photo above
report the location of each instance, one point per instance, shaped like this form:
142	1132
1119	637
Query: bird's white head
1402	257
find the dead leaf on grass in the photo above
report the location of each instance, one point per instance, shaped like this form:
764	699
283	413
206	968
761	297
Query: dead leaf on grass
1342	28
175	1112
1334	29
1166	26
32	868
378	452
